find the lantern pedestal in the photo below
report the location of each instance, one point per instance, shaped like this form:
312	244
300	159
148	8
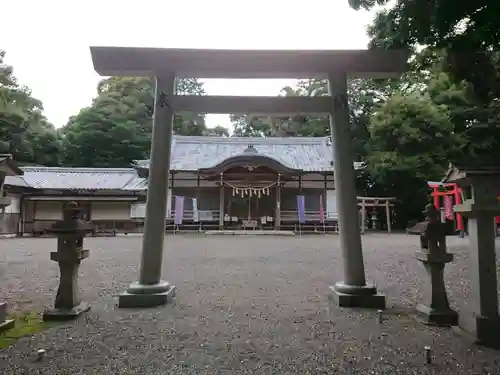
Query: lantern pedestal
70	253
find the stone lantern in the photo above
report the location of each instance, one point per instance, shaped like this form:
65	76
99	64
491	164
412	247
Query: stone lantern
7	168
70	252
435	310
480	208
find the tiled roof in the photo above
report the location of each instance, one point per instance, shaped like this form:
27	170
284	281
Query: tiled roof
306	153
74	178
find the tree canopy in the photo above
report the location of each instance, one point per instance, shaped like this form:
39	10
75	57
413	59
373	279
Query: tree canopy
116	127
24	131
466	35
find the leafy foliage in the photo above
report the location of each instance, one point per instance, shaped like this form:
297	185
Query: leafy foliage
412	135
466	33
24	131
411	141
117	127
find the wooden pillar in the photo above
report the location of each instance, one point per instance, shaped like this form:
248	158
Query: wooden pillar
33	222
169	203
197	198
300	193
2	182
22	214
388	214
363	215
221	202
277	216
435	195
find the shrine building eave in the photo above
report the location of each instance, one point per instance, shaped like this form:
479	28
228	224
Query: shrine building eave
250	161
9	166
465	172
223	63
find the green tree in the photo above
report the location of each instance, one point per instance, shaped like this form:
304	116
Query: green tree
116	127
412	141
24	131
477	122
466	35
362	96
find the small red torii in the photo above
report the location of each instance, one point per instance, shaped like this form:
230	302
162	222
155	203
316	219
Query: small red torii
451	190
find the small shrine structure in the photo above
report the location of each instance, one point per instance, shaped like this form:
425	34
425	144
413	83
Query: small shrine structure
369	208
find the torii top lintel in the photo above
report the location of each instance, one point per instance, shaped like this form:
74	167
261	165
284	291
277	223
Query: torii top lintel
221	63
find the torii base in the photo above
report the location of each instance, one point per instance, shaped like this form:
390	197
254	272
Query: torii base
365	297
138	295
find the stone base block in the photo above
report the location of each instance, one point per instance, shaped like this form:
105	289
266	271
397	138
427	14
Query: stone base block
357	296
483	330
430	316
66	314
146	295
6	324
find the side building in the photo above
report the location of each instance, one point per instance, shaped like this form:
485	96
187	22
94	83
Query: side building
215	183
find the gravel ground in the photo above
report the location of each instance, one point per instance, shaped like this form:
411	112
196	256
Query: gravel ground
244	305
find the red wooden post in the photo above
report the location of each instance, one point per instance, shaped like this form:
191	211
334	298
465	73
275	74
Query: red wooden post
458	200
435	194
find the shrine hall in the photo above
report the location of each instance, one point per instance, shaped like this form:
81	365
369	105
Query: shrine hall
215	183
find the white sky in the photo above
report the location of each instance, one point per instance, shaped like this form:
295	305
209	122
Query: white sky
48	41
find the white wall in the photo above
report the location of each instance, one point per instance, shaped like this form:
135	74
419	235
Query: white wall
48	210
331	204
138	209
110	211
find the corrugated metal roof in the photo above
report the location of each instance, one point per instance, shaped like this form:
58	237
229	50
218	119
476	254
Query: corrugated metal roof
306	153
137	184
76	178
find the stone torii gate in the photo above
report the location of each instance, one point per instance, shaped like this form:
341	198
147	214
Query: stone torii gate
168	64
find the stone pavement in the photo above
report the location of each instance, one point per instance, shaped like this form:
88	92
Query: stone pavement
244	305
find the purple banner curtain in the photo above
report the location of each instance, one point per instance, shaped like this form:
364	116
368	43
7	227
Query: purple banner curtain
179	209
301	208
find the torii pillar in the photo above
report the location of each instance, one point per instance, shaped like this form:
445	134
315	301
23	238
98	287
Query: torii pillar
150	290
166	64
353	291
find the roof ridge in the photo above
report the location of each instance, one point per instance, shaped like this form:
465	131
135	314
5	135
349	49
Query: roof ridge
249	140
76	169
